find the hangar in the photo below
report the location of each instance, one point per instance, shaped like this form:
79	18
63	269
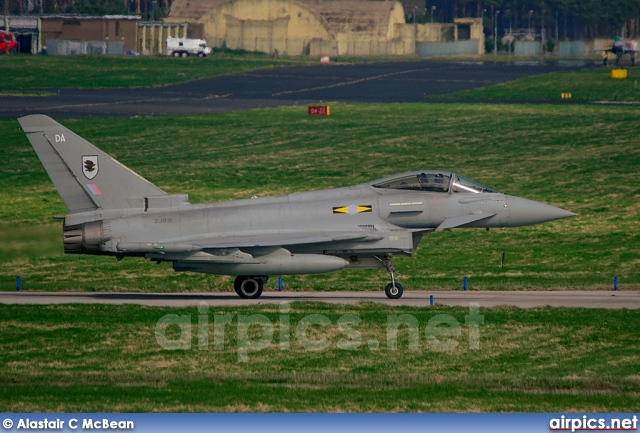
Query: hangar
314	27
318	27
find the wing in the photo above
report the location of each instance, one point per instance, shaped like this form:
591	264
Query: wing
272	239
227	248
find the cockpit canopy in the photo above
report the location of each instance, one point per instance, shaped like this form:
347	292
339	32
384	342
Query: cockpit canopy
432	181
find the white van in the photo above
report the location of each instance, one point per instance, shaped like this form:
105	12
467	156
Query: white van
183	47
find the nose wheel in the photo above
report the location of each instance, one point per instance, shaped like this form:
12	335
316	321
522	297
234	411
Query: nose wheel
393	289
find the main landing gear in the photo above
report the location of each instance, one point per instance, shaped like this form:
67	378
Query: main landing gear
249	287
393	289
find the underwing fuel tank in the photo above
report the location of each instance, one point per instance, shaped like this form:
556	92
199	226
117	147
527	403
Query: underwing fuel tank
272	264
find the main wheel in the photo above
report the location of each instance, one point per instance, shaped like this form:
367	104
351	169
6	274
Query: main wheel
248	287
393	292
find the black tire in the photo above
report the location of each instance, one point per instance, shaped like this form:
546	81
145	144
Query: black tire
201	54
248	287
184	54
175	54
393	292
236	285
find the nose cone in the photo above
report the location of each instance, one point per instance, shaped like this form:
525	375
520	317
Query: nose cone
523	212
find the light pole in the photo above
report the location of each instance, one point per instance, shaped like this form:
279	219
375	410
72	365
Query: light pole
542	29
433	8
511	38
482	20
415	33
530	13
495	35
153	10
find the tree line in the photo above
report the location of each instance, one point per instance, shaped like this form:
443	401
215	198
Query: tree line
566	19
148	9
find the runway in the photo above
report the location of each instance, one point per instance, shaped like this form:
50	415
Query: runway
414	298
282	86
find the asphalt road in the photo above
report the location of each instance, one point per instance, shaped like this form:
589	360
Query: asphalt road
417	298
297	85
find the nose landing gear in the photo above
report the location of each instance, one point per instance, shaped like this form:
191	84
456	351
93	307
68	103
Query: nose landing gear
393	289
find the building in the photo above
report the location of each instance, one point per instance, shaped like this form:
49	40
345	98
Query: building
152	35
34	32
317	27
103	28
300	27
26	29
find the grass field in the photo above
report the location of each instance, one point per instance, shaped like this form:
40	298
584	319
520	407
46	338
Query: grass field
584	159
584	85
108	358
21	72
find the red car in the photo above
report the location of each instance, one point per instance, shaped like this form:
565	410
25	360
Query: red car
7	42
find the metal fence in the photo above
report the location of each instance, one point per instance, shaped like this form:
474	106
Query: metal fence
572	48
58	47
527	48
429	49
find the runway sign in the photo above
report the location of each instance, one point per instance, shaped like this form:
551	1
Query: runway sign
319	110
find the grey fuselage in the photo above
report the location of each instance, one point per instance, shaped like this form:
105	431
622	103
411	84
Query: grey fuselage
374	220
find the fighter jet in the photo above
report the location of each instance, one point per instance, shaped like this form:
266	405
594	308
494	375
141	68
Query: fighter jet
620	48
115	212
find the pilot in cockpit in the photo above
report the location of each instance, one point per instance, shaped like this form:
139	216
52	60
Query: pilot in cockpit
424	183
435	184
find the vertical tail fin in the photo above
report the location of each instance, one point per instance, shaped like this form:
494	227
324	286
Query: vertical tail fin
86	177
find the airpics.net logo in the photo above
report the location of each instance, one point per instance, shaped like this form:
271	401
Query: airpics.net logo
253	333
589	423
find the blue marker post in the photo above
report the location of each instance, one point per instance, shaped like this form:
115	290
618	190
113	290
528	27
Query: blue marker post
430	299
279	284
18	283
465	283
615	283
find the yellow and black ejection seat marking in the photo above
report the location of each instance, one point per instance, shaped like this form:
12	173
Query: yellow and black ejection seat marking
353	209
